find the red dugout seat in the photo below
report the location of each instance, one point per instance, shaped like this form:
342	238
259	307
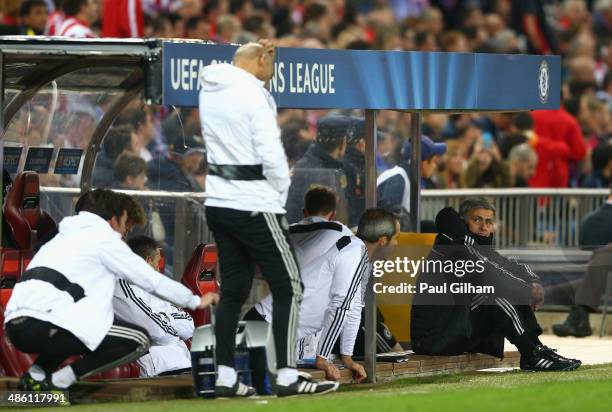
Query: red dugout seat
26	221
200	276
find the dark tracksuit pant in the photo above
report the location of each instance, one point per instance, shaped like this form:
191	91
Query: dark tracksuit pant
593	284
124	343
245	239
481	328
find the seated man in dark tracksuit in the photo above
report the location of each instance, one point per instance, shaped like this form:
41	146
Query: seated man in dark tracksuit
596	235
453	322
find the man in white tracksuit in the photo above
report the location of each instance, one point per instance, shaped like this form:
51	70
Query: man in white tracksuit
167	325
246	187
62	305
335	267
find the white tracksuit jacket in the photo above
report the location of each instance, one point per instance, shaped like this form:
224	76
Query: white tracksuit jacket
89	253
167	325
238	117
335	269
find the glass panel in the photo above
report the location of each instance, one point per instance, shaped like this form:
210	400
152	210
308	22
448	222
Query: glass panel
59	118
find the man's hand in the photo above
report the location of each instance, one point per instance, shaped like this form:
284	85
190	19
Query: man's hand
268	46
331	372
357	370
537	294
208	300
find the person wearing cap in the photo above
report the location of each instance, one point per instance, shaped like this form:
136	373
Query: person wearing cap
321	164
393	185
247	186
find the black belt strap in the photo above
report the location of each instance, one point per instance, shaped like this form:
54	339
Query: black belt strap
56	279
237	172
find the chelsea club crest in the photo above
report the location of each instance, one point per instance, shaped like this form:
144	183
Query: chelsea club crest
543	82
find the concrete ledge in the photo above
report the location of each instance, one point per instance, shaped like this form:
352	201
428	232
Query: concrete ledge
181	387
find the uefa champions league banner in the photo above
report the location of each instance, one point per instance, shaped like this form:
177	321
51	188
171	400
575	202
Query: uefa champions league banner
342	79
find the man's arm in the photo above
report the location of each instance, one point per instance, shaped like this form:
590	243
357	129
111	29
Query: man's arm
117	257
267	143
349	268
182	322
130	305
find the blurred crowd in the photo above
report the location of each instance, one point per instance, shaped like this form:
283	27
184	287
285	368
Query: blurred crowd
162	148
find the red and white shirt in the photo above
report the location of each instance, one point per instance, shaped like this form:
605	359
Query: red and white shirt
54	21
123	18
73	27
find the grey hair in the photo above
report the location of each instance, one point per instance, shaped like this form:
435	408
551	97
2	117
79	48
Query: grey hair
475	203
522	152
376	223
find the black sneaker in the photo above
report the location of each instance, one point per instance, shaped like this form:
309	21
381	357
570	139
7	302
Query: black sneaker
62	395
28	383
238	390
306	386
545	359
553	352
577	324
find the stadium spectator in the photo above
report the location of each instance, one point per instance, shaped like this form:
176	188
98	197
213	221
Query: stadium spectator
335	271
130	172
485	170
122	18
559	125
33	15
141	122
167	325
55	19
453	163
393	185
63	307
533	18
118	140
79	16
595	227
322	163
197	28
244	211
522	163
596	235
601	172
176	171
455	323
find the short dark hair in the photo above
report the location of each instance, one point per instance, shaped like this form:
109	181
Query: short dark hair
129	165
108	204
320	200
143	246
73	7
523	121
28	5
475	203
376	223
117	140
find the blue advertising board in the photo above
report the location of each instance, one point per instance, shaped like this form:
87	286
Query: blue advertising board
344	79
68	161
38	159
11	158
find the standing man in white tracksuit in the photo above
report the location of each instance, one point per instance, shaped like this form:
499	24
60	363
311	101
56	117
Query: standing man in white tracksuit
247	185
62	305
335	268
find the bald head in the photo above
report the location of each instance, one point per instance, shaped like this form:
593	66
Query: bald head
248	51
257	59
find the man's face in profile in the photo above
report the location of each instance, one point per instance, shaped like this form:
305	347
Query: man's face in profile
481	222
